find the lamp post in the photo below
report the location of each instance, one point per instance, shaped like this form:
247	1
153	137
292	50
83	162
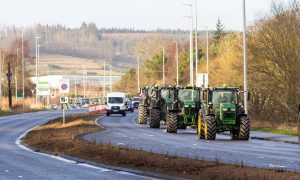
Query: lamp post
83	76
104	80
23	69
36	69
16	74
177	64
196	40
138	73
191	46
163	68
245	58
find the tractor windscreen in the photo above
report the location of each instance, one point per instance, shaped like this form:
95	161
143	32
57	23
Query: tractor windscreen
188	94
167	94
223	96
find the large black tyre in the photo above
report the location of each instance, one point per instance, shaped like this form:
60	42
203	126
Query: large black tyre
155	116
172	122
202	134
142	119
244	133
210	128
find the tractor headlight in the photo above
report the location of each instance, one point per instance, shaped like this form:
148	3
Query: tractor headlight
233	109
225	109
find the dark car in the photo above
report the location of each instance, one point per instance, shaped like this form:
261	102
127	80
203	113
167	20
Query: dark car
136	102
129	106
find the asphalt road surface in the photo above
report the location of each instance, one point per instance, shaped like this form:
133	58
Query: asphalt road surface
18	163
124	131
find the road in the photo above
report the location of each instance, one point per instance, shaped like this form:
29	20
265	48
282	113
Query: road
19	163
124	131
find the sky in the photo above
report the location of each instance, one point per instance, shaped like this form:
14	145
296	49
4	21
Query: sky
138	14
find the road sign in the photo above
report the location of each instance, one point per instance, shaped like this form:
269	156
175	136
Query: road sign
64	86
43	89
64	100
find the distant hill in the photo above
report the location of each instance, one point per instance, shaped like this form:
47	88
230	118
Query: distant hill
116	46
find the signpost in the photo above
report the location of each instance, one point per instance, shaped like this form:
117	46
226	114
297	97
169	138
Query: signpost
64	100
64	86
202	80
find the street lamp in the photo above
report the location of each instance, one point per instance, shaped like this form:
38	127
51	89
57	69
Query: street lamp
196	41
38	66
36	69
191	46
23	69
16	73
138	72
177	64
83	76
110	79
164	80
245	58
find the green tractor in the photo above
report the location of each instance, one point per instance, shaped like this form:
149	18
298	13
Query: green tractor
161	98
224	113
185	109
144	104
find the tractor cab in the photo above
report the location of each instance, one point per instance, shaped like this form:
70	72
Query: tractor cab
184	111
223	112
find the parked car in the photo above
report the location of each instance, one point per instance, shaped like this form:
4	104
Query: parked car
136	102
129	106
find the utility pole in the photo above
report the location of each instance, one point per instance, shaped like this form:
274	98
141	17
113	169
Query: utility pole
196	40
207	53
23	69
36	70
177	64
138	72
104	80
16	74
9	84
245	58
83	76
164	78
0	78
191	46
110	79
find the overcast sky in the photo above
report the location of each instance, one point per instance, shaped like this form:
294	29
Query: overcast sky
138	14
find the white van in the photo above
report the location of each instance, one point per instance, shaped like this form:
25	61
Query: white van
116	103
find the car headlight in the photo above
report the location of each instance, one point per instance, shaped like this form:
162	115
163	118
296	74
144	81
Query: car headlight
225	109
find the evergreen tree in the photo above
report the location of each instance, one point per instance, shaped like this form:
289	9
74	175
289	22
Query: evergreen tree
219	34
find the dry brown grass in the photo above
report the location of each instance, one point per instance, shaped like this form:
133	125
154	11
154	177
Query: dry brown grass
55	137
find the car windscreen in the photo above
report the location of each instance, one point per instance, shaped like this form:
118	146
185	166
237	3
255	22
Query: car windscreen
115	100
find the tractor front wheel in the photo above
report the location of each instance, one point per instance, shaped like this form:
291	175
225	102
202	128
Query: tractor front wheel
155	118
210	128
142	115
172	122
244	132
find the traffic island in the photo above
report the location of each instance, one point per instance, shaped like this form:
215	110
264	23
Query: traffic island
58	139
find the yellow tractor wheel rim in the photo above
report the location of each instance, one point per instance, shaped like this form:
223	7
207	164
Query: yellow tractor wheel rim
199	124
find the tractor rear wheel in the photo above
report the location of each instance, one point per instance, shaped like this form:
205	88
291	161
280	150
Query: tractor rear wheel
210	128
142	115
155	118
172	122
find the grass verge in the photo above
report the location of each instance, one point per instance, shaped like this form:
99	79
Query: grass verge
60	139
290	132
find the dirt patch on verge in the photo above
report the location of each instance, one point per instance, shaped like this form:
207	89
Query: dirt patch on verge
60	139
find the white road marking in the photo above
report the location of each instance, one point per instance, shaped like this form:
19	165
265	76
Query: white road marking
195	144
148	134
7	171
20	176
94	167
